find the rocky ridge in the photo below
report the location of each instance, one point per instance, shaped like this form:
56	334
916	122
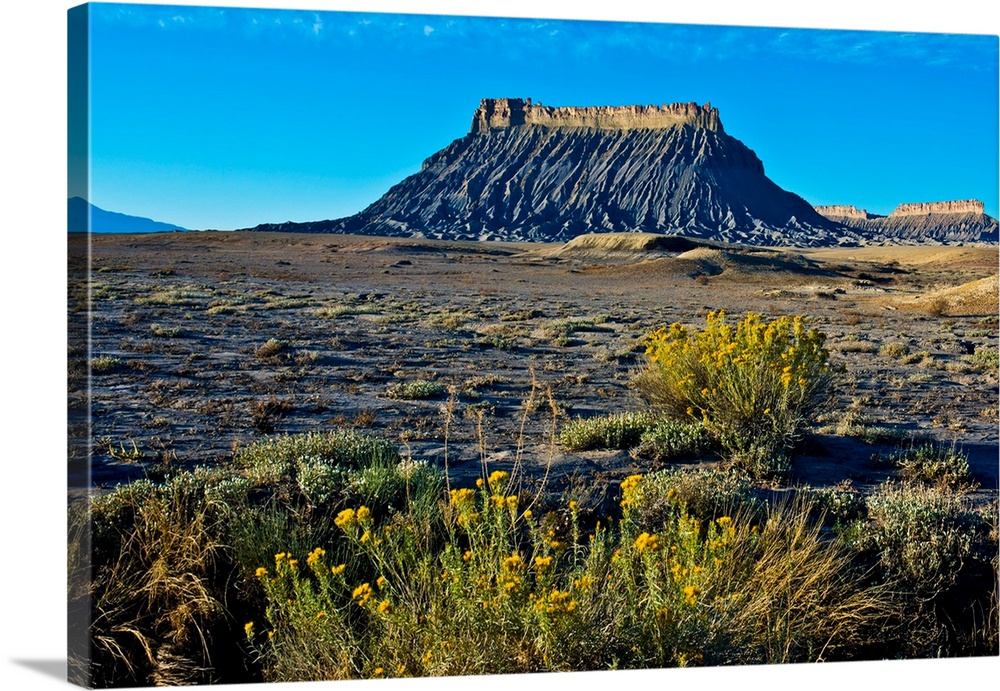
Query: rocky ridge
942	222
528	172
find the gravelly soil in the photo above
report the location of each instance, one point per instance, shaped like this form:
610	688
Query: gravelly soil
182	321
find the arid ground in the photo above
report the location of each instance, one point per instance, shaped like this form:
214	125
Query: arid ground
205	341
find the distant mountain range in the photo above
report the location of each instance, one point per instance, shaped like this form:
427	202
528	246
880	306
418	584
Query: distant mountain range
102	221
531	172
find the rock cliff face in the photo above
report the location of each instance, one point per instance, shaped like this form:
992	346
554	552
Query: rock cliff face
965	206
929	222
839	211
532	172
501	113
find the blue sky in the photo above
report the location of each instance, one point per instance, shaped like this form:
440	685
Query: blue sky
227	117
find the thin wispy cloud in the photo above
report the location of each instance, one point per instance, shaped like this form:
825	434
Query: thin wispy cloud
677	44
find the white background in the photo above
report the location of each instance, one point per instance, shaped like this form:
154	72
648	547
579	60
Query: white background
32	266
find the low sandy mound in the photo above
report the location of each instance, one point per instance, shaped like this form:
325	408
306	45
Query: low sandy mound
976	298
745	265
618	247
748	262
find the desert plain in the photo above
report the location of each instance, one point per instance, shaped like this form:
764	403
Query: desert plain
474	354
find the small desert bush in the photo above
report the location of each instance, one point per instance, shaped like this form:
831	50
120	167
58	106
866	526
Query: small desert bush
938	554
416	390
985	359
862	427
754	386
170	563
272	461
157	587
270	348
705	493
922	535
670	439
616	431
166	331
103	364
894	349
266	413
842	503
934	464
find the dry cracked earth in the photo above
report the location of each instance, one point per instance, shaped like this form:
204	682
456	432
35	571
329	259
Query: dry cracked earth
202	342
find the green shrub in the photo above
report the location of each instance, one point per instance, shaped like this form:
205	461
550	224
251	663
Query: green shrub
863	428
934	464
669	440
706	493
922	535
273	460
754	386
985	359
842	502
103	364
617	431
416	390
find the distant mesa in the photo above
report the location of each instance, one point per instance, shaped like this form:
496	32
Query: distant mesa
925	222
532	172
101	221
529	172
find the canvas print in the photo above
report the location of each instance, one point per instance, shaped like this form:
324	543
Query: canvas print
414	345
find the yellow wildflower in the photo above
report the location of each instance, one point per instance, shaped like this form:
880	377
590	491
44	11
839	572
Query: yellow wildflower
362	593
336	570
320	615
527	514
315	556
512	563
572	506
646	541
364	513
462	496
467	555
379	671
542	563
691	593
248	628
344	518
261	572
512	502
498	476
383	607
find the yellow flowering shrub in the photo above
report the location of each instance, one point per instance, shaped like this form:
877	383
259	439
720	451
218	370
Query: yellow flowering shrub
753	386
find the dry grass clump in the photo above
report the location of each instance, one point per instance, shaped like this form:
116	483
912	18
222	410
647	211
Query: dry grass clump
271	348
